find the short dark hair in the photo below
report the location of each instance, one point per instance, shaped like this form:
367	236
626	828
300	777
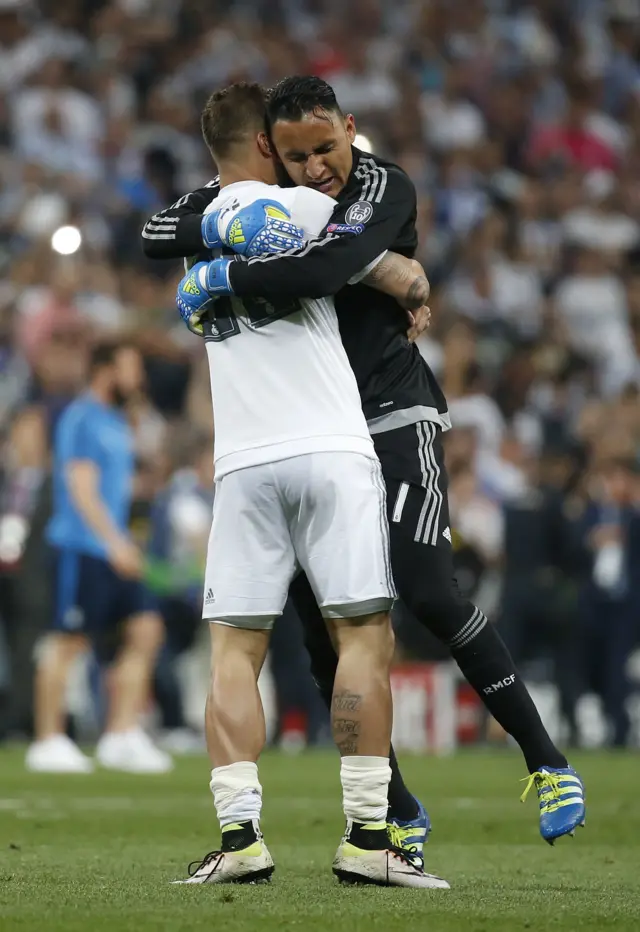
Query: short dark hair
232	115
104	353
294	97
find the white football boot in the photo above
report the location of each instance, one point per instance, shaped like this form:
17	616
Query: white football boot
249	865
57	754
389	867
133	752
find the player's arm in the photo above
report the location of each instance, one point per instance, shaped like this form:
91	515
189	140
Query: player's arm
326	264
82	477
176	233
404	279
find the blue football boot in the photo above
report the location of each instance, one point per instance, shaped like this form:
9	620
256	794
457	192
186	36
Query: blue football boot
561	796
411	836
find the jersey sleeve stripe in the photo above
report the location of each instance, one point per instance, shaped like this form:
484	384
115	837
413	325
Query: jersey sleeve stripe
383	185
146	235
160	226
296	253
374	180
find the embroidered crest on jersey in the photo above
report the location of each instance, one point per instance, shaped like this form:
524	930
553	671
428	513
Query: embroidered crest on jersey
191	286
344	228
359	213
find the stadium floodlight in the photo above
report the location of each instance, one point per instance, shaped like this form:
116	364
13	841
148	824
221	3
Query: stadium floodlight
362	142
66	240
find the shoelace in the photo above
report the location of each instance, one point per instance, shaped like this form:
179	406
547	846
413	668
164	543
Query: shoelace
212	856
401	855
549	791
395	836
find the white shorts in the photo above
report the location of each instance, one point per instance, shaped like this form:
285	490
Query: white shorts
324	513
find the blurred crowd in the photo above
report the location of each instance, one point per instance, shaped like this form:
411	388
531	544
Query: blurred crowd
518	121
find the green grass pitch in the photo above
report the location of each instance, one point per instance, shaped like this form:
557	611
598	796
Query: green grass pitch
92	853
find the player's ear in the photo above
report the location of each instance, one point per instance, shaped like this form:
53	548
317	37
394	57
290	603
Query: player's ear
265	146
350	126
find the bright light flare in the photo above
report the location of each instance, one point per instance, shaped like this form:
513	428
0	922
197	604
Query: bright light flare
66	240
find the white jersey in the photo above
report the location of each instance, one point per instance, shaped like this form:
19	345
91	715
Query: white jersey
281	381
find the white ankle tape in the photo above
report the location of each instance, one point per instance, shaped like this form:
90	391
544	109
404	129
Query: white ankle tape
237	793
365	786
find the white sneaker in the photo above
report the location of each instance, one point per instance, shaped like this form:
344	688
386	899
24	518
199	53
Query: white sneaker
132	751
389	867
57	754
250	865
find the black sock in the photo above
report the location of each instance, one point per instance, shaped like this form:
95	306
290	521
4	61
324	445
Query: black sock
488	666
371	839
239	836
402	804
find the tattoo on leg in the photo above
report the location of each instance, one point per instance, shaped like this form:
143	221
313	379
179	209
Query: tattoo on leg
346	732
346	726
347	702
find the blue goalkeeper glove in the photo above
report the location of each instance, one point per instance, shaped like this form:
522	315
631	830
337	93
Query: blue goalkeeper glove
199	288
260	229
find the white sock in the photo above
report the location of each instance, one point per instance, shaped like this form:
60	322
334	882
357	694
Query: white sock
237	793
365	787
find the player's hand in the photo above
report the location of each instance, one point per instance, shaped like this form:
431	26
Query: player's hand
260	229
198	290
126	559
419	321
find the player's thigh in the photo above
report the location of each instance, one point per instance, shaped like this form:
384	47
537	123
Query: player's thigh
250	558
412	460
424	572
83	593
340	532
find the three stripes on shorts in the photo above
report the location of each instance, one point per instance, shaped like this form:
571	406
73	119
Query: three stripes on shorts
428	526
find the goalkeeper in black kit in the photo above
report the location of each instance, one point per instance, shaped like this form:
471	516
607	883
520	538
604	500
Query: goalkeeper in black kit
406	412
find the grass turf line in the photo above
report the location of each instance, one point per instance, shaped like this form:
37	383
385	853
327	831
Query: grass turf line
96	852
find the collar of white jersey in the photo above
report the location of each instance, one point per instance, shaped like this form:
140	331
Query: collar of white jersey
243	184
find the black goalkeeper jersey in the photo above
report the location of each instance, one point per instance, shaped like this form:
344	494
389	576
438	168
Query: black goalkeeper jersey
375	212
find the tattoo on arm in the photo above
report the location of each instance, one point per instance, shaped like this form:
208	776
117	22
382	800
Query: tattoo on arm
397	276
417	294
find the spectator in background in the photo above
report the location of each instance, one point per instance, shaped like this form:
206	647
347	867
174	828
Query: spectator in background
98	577
610	596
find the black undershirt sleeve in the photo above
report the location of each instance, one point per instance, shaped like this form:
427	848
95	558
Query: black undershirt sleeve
175	233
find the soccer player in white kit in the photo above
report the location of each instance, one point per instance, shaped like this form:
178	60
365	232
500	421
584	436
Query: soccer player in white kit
298	485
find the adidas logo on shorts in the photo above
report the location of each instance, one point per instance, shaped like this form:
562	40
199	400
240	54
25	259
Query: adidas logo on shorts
447	534
209	598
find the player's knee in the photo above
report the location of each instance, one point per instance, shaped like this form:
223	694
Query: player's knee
234	648
370	637
442	611
145	633
60	648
